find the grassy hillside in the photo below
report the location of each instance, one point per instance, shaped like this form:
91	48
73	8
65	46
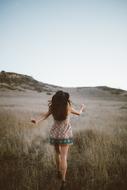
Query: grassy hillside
97	160
20	82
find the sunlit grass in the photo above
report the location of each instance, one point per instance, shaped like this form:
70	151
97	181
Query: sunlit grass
97	160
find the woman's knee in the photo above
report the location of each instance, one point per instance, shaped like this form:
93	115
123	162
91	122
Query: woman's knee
63	158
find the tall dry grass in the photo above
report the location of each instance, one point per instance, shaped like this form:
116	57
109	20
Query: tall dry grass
97	160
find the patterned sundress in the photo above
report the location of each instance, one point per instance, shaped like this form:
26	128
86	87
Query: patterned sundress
61	132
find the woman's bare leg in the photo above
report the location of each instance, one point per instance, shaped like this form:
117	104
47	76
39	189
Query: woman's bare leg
64	154
58	157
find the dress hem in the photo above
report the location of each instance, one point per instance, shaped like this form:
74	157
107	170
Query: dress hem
61	141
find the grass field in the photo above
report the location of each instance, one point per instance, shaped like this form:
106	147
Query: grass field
97	160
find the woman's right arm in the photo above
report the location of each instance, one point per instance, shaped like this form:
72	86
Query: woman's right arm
73	111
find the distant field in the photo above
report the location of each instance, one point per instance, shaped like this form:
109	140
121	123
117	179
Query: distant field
97	160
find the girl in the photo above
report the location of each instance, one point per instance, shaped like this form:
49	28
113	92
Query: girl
61	131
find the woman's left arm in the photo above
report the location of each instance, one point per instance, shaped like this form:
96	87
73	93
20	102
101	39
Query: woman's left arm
43	116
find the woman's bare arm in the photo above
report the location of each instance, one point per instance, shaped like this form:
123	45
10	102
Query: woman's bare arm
73	111
42	116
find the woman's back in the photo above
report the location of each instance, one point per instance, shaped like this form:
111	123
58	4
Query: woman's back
58	106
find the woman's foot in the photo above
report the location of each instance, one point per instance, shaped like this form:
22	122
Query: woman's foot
63	185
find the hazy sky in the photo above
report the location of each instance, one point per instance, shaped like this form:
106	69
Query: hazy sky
65	42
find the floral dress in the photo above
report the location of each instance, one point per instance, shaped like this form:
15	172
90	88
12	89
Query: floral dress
61	132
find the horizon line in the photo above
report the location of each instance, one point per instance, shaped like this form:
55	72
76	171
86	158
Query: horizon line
60	86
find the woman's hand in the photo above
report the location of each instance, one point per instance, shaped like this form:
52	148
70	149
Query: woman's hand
83	107
41	117
34	121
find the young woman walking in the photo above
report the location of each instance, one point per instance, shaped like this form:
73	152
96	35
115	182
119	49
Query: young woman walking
61	131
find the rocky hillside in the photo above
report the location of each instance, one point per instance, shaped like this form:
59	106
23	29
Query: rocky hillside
14	81
18	82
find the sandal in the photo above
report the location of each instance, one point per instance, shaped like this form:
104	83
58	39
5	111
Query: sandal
63	185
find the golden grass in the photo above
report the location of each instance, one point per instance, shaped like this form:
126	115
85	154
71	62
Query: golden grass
97	160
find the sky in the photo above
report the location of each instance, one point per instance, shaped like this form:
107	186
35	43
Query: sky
68	43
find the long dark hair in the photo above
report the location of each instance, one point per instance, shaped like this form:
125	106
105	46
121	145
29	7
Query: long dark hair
58	106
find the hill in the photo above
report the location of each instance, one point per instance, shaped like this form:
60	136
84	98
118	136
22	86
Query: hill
98	159
18	82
